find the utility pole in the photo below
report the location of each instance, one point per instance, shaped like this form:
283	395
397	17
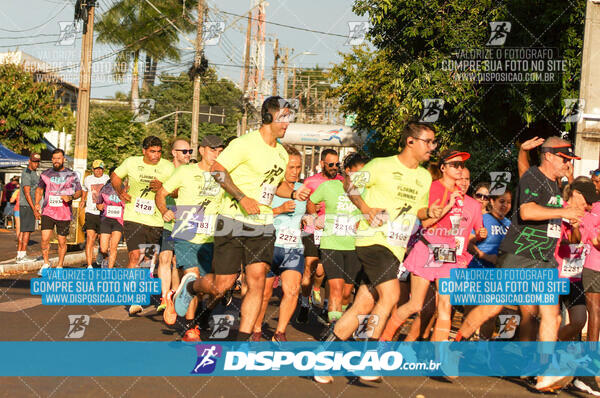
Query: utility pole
286	59
197	77
176	121
587	140
275	59
84	11
246	73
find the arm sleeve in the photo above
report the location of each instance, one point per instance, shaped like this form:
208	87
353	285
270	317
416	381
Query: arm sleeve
318	195
234	155
174	181
122	170
41	182
478	220
527	189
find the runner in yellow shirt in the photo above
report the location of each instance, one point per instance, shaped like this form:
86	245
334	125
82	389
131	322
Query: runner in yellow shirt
250	171
198	202
142	222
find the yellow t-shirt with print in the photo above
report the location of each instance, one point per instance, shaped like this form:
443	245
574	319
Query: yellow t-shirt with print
142	209
256	169
388	184
198	203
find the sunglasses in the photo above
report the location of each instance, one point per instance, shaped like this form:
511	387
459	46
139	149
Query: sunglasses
456	165
185	151
338	164
482	196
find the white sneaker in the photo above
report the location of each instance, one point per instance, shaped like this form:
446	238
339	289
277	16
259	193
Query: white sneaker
135	309
45	266
375	379
324	379
90	267
552	383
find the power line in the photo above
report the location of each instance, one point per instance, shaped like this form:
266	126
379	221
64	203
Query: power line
287	26
38	26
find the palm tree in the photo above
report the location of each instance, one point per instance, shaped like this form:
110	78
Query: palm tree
138	28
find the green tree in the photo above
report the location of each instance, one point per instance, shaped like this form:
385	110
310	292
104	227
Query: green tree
175	93
385	84
28	109
112	136
139	28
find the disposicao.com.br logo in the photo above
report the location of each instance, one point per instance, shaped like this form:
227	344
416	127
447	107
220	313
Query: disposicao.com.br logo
299	359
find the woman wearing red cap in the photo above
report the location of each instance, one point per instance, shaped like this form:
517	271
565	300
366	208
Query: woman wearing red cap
442	245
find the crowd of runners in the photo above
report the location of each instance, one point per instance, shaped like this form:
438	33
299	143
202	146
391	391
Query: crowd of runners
362	239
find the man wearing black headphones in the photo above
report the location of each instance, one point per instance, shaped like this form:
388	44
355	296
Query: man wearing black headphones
250	170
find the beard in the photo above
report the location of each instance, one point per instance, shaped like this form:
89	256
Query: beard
57	166
330	173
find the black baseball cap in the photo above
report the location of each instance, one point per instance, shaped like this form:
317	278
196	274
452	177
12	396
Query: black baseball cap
565	151
212	141
587	189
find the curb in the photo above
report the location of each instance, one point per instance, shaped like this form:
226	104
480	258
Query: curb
70	259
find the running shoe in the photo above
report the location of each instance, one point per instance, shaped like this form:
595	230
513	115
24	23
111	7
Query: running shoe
169	315
316	296
45	266
552	383
163	304
279	337
192	335
25	259
90	266
324	379
255	336
302	315
182	297
588	384
135	309
374	379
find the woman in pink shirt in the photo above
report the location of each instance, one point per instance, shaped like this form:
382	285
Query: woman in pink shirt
571	252
442	246
590	275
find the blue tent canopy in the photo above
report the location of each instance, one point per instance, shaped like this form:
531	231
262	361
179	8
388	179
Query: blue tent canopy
10	159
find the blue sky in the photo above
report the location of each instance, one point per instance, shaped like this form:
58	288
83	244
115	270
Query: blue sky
33	26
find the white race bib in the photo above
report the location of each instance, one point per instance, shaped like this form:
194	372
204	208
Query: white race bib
55	201
288	237
267	193
573	267
317	236
144	206
553	231
114	211
344	226
206	226
400	230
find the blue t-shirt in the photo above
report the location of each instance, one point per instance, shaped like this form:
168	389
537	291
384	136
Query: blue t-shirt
288	225
496	231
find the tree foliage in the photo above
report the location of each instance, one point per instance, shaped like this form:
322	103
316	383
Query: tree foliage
385	83
28	109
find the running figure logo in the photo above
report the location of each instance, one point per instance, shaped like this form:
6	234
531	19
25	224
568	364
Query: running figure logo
508	326
143	107
68	33
357	32
432	110
366	326
500	180
334	134
212	32
207	358
573	110
77	325
272	174
222	325
500	31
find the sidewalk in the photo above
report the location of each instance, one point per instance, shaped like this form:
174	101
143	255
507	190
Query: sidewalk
8	253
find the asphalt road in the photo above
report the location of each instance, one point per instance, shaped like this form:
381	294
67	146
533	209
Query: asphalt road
24	318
